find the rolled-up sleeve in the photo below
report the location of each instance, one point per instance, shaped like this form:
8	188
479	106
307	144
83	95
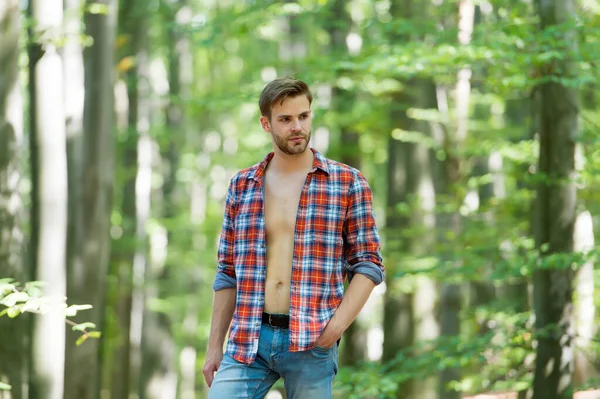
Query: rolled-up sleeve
225	277
361	238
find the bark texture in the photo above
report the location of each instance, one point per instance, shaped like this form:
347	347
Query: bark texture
555	214
91	203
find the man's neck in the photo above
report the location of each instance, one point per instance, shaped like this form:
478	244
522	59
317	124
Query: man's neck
287	164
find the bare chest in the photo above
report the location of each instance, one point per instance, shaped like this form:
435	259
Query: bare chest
281	203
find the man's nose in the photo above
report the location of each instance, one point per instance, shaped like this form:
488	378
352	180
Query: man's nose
296	125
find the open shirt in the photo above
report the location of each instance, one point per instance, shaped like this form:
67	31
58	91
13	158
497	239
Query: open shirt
335	237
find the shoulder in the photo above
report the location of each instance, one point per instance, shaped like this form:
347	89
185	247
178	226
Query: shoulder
244	174
344	172
240	178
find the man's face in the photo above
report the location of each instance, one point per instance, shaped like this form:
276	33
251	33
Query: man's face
290	124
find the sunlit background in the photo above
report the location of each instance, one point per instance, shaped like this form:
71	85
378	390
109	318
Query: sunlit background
123	121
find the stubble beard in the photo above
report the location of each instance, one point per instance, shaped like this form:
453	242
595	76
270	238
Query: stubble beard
290	148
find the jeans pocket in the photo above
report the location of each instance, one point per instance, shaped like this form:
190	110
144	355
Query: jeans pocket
321	350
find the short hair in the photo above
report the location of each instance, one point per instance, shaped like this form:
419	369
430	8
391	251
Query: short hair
278	90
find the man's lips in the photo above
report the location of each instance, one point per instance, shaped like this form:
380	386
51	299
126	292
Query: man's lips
297	138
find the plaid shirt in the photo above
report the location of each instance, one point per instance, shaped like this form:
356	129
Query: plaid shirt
335	233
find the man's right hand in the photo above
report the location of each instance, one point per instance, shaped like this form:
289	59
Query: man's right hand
211	364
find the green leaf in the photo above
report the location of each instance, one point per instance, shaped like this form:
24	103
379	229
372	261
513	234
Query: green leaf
73	309
14	298
4	387
81	340
83	326
13	312
5	287
32	304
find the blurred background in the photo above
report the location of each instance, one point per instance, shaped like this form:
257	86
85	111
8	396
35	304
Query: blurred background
476	123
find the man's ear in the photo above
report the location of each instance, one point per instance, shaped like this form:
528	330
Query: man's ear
266	125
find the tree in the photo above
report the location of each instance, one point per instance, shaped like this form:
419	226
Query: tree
129	249
584	310
14	332
49	195
355	342
450	300
555	211
409	308
91	206
158	374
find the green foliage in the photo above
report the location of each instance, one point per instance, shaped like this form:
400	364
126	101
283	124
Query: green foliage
509	56
16	299
494	355
234	47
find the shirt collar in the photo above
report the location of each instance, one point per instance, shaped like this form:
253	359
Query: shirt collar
319	162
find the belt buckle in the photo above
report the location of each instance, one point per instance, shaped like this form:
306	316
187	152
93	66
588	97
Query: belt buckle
270	322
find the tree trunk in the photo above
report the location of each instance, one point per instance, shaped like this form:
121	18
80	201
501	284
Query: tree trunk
13	365
159	374
129	254
555	219
421	188
354	348
585	309
119	301
93	202
139	125
483	290
450	303
409	315
49	197
518	112
398	316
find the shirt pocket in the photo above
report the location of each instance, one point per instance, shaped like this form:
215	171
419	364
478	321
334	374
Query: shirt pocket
327	248
247	228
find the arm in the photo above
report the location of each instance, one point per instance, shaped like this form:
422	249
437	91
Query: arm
364	262
355	298
225	277
223	308
361	238
225	291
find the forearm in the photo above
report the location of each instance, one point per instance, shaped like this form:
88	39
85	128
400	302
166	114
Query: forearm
354	300
223	308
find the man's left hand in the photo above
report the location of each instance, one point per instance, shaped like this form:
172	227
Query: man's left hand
324	343
329	336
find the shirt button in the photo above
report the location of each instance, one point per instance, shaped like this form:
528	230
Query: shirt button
256	324
262	245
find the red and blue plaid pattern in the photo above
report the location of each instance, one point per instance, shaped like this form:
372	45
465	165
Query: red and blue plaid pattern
335	228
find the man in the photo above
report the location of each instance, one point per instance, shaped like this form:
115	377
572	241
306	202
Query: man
296	224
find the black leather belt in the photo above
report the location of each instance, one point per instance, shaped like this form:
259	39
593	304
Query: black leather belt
276	320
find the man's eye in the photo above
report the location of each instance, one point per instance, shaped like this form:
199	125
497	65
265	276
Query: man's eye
303	116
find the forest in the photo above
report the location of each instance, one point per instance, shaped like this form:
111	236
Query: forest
476	123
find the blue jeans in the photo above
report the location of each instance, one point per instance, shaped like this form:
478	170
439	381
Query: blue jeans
307	375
